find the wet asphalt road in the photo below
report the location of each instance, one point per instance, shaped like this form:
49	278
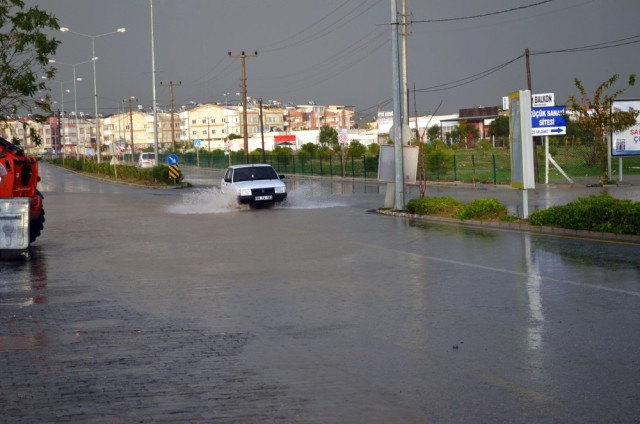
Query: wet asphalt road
147	305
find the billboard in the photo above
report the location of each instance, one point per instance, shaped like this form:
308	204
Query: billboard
627	142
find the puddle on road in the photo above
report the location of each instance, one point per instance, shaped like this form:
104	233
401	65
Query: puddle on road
212	200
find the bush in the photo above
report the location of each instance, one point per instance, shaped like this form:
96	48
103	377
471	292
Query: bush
438	157
441	206
157	174
371	163
484	146
602	213
483	209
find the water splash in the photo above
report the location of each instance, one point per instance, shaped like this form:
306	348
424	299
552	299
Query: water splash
311	195
206	201
211	200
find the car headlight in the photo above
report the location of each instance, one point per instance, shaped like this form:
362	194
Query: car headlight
245	192
281	190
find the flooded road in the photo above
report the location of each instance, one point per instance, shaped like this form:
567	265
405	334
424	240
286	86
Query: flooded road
177	305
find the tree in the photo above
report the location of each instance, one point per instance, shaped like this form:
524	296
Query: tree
25	50
373	149
329	136
310	148
356	149
500	128
433	133
467	132
596	116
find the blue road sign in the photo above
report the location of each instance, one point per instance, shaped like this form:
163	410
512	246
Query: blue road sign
197	142
549	120
172	159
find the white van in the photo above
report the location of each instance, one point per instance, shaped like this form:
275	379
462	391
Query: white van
147	160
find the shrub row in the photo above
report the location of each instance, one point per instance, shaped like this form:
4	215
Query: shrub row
601	213
447	206
157	174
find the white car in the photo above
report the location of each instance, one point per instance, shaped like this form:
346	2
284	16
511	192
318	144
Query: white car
254	184
147	160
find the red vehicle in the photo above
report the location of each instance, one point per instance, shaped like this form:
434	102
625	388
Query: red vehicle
19	178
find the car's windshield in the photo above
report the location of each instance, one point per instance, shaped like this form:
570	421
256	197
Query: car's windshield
254	173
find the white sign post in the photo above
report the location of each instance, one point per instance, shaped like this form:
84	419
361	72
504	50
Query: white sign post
522	169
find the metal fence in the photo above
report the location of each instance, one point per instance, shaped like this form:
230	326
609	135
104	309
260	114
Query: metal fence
472	165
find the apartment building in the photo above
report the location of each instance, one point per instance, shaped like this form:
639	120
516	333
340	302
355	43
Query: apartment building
60	134
313	117
211	123
120	129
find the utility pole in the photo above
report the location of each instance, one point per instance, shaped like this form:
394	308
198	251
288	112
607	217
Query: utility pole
153	82
528	64
397	111
535	148
405	84
131	100
262	132
243	56
173	133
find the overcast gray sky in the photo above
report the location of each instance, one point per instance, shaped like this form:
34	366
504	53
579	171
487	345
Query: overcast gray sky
339	51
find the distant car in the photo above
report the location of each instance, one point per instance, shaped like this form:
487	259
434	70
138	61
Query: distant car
147	160
254	184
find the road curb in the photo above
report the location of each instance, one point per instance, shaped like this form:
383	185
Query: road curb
517	226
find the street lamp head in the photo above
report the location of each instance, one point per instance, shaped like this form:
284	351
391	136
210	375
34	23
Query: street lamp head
64	29
121	30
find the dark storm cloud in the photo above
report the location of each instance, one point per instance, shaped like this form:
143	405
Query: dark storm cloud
338	51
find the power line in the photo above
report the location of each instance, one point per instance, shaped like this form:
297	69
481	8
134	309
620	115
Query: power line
598	46
469	79
482	15
328	29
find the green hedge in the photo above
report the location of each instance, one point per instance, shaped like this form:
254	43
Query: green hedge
447	206
157	174
441	206
602	213
483	209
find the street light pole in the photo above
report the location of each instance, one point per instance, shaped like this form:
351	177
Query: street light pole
61	117
95	85
75	97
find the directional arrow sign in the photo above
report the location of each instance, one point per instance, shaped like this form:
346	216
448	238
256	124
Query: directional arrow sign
549	120
172	159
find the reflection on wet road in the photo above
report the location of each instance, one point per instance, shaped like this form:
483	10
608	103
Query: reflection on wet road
175	305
